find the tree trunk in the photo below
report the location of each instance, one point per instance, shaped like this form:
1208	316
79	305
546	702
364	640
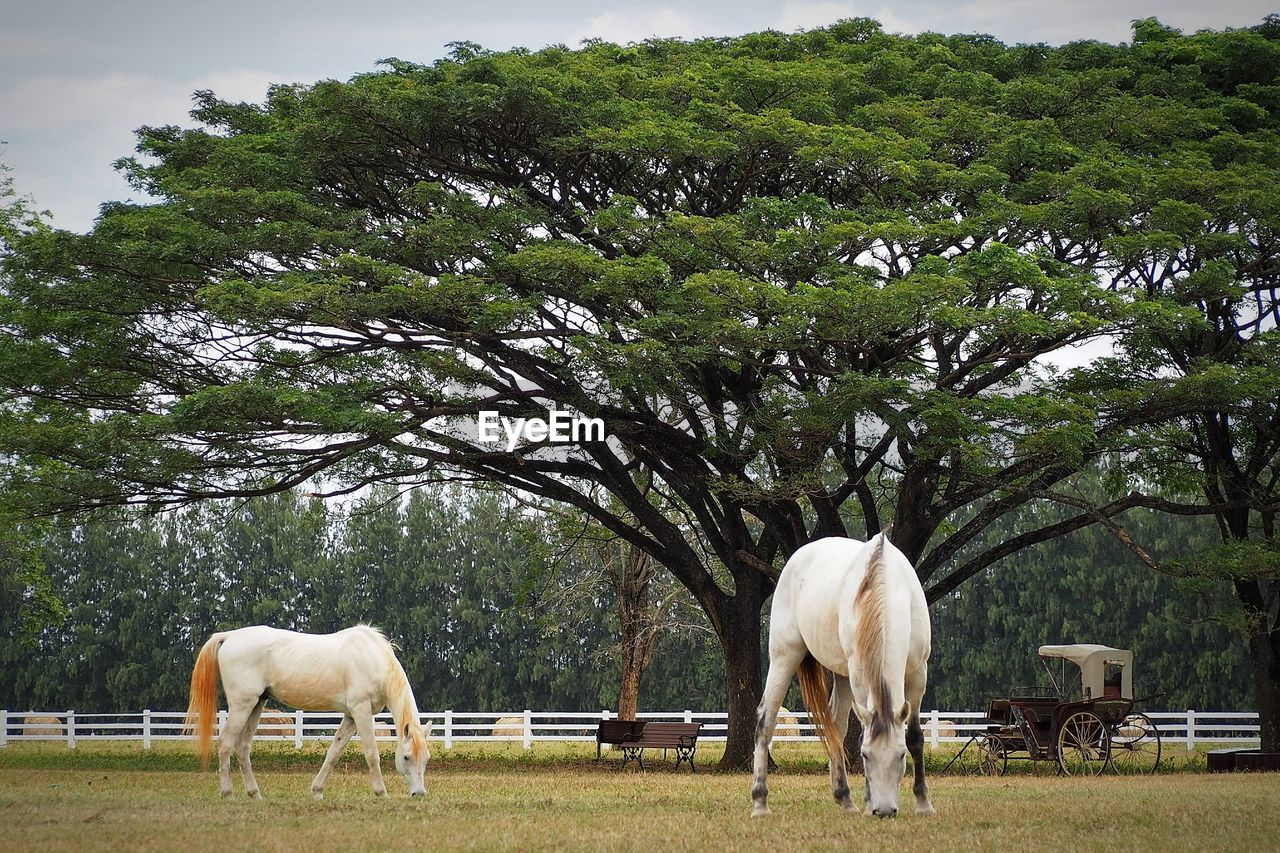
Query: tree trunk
738	628
629	689
1264	653
637	621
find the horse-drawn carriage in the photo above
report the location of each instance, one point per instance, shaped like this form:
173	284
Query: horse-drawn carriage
1083	728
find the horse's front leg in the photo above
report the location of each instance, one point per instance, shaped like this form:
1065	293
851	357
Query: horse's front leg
781	670
915	745
340	738
915	682
364	726
841	705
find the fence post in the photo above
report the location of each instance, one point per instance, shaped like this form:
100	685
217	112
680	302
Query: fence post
71	729
4	728
688	715
1191	730
933	729
448	729
222	722
297	729
146	729
528	729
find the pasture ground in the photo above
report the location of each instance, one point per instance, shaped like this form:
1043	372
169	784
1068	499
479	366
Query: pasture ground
493	798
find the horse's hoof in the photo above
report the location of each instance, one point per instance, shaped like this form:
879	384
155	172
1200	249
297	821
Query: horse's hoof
319	795
759	811
848	806
926	810
226	795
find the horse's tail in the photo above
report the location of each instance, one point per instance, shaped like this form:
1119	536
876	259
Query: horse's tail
816	691
202	708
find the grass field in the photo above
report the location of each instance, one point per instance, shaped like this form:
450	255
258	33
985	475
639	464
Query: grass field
119	798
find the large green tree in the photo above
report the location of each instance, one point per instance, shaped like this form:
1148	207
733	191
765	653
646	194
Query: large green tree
1195	243
806	281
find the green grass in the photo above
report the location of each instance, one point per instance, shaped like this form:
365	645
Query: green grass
276	755
499	798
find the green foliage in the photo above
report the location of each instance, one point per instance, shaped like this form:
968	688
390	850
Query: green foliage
1088	588
463	583
28	601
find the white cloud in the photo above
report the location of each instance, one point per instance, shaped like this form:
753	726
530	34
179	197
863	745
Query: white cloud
64	132
623	26
805	15
116	102
19	45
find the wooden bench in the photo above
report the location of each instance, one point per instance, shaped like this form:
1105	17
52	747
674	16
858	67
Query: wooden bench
682	737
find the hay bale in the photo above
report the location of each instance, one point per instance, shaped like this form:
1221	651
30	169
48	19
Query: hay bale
34	725
1133	730
946	728
276	723
509	727
788	724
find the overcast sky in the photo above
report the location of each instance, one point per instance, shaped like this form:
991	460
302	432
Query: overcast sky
77	76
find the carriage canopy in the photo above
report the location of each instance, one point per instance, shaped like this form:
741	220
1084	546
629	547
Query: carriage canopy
1093	661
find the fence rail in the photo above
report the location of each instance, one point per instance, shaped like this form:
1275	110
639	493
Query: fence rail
1190	727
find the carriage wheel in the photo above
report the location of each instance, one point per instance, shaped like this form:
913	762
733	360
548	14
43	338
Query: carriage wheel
1083	745
992	758
1135	745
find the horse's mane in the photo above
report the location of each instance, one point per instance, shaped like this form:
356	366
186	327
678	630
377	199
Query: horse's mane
400	699
868	637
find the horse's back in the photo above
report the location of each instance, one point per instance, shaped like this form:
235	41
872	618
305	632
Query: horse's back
820	582
806	603
309	671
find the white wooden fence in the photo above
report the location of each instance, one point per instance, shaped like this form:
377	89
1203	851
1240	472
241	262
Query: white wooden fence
528	727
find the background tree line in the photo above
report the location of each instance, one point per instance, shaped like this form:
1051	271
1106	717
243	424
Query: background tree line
467	584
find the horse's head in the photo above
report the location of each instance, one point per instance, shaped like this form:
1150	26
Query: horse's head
884	756
412	754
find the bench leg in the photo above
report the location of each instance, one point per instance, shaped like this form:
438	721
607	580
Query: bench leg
630	753
685	753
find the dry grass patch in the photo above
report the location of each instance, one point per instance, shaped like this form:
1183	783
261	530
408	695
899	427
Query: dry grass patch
567	808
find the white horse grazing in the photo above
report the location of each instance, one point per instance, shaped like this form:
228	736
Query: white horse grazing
857	610
354	671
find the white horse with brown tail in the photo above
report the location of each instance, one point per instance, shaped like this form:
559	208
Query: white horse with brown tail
354	671
857	610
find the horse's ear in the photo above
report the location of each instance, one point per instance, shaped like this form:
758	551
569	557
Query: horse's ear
904	713
864	714
405	733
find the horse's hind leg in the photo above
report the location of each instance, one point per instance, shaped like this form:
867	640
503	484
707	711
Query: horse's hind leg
915	741
841	705
237	718
340	737
244	744
782	667
364	726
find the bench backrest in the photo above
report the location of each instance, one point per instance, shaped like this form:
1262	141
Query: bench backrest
671	734
619	731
